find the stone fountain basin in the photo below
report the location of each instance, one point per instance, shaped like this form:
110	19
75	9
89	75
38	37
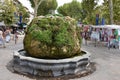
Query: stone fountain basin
50	67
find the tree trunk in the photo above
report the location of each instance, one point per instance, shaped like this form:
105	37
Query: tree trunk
111	11
37	4
35	11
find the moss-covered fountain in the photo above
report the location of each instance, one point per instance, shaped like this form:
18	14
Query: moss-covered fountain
52	38
52	48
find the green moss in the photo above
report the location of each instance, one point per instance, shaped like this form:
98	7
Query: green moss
78	30
43	36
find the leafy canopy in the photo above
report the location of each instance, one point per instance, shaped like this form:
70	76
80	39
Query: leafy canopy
9	8
6	13
46	6
72	9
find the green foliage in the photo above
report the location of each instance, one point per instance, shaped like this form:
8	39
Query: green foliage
50	30
52	37
60	15
79	30
63	10
46	7
103	11
63	37
24	12
43	36
72	9
32	3
88	11
8	8
88	6
116	11
6	13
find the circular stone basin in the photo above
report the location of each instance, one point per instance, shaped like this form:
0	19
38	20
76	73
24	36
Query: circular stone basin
50	67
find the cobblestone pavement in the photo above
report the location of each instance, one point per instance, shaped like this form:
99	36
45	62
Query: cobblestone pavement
107	62
5	56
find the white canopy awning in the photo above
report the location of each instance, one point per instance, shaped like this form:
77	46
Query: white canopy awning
106	26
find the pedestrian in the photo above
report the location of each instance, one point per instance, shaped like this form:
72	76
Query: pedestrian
95	36
7	35
2	42
16	37
110	34
118	38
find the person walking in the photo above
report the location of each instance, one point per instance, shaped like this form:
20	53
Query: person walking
16	37
7	35
2	42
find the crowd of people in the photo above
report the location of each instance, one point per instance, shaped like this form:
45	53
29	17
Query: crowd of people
6	36
110	36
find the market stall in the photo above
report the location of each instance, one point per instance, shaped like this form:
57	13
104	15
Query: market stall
106	33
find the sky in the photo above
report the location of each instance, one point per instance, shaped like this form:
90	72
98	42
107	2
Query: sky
27	4
61	2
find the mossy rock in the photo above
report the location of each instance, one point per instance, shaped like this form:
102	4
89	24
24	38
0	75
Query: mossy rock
52	37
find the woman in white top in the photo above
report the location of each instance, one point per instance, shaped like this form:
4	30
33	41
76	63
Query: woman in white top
95	36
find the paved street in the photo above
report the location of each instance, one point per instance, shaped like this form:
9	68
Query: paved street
107	62
6	55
